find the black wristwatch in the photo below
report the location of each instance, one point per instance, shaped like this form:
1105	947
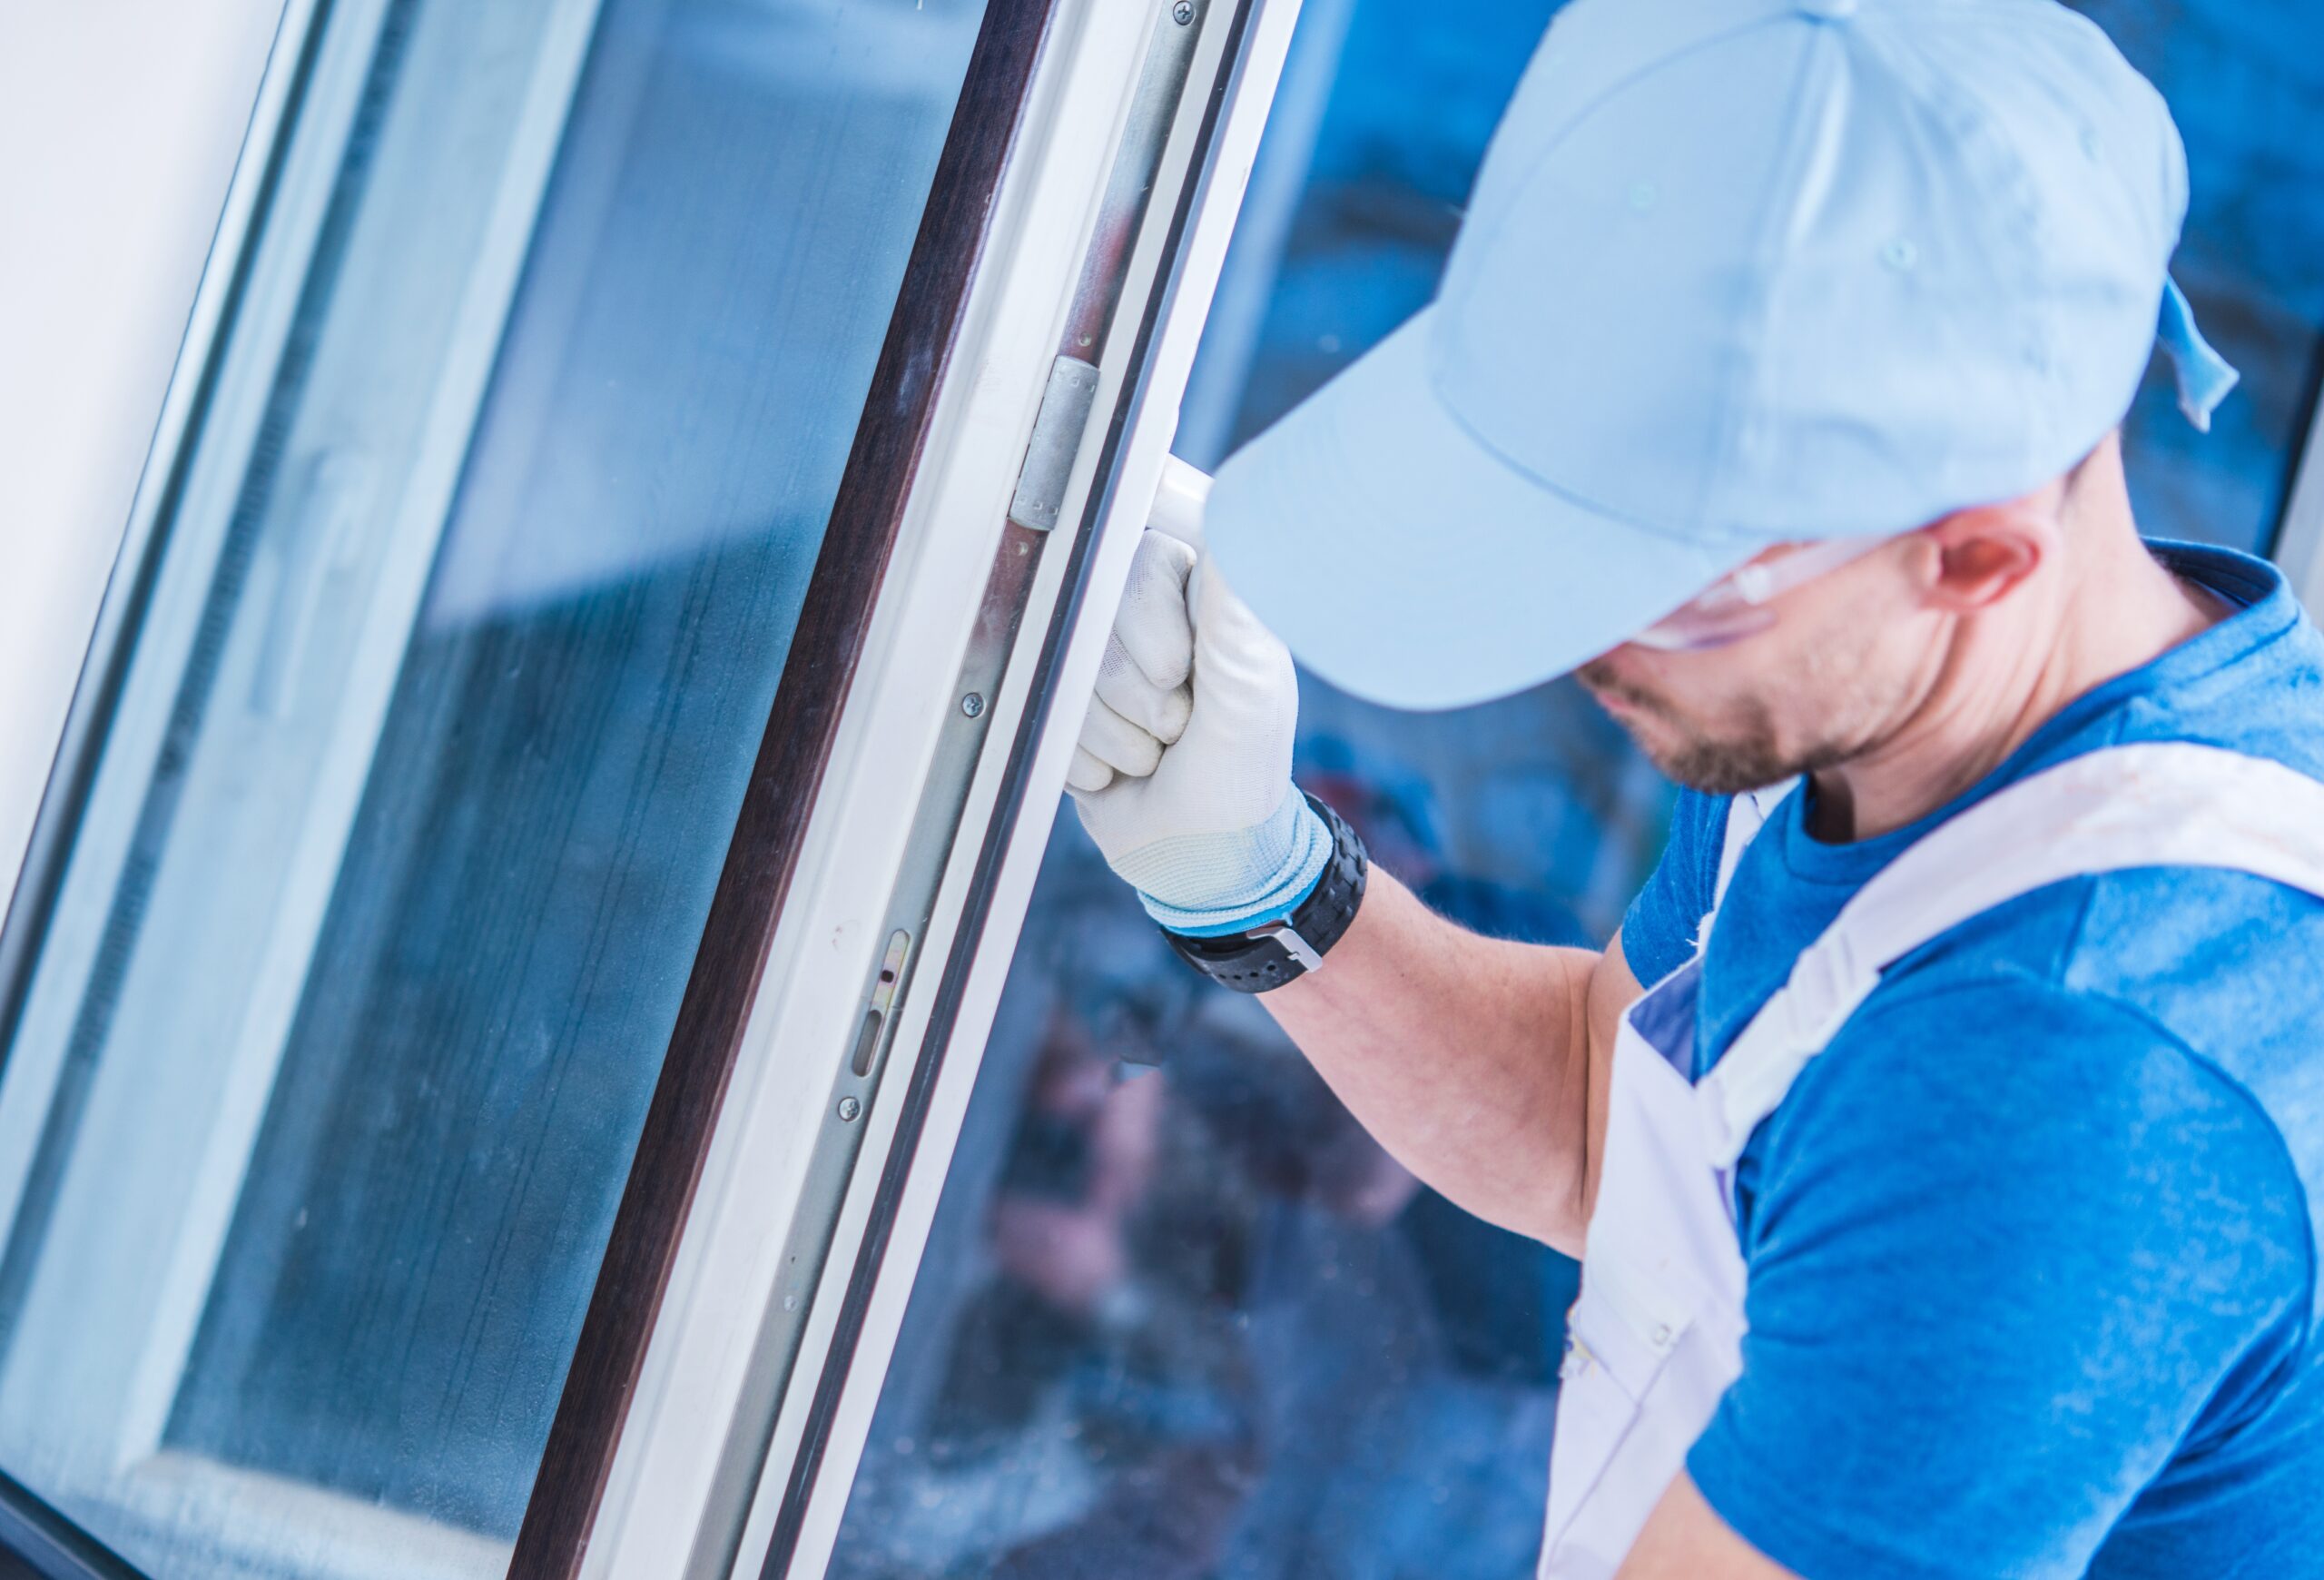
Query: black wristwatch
1268	956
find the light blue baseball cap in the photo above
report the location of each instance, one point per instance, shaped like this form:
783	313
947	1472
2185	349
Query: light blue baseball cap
1736	272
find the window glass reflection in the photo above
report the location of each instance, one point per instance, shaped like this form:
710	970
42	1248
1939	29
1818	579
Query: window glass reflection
326	1091
1191	1320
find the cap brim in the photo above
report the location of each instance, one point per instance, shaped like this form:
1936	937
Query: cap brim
1404	562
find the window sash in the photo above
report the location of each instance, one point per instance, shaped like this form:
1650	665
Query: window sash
789	1366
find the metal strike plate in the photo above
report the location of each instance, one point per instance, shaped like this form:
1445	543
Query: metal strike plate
1056	440
883	999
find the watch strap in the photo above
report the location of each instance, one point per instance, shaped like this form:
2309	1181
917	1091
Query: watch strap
1275	953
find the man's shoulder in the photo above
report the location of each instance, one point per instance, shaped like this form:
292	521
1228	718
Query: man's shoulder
2042	1191
2216	958
2225	962
1658	930
2024	1135
2206	966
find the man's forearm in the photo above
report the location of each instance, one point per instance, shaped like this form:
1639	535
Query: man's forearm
1479	1065
1468	1057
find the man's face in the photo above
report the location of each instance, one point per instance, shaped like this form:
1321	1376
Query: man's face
1830	679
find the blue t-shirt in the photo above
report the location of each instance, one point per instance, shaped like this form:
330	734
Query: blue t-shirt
2032	1245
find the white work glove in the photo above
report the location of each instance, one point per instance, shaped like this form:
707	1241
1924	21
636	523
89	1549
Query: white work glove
1182	773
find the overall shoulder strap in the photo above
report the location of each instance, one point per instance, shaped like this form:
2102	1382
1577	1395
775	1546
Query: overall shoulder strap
2158	803
1746	814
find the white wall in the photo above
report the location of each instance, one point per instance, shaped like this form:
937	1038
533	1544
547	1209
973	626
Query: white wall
120	124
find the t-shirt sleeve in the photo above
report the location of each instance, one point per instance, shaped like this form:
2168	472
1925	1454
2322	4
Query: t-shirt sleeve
1975	1334
1659	931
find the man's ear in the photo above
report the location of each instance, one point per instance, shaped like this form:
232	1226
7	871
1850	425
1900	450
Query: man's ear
1976	557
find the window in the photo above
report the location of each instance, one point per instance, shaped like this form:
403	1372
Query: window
526	836
429	746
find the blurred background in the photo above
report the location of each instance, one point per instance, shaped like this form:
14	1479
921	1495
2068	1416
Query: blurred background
1180	1317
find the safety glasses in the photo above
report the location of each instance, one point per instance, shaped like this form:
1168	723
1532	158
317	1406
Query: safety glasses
1736	606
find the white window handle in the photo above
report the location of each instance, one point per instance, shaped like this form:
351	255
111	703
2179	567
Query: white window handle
1178	501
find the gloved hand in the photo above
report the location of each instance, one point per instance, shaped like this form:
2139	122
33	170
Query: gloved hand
1183	772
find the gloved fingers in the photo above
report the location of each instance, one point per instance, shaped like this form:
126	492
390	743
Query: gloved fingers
1119	744
1152	627
1246	687
1160	711
1087	775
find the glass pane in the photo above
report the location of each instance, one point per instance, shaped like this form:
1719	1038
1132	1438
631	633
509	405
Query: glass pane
325	1094
2246	82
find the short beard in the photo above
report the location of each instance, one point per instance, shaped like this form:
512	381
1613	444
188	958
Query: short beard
1748	756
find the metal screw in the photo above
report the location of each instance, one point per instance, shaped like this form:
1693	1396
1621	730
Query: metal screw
849	1108
972	705
1183	12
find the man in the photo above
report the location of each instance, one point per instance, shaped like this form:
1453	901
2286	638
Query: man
1949	1206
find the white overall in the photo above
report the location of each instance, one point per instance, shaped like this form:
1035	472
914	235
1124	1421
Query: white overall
1656	1337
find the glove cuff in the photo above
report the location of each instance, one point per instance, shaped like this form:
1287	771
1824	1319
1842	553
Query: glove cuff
1208	884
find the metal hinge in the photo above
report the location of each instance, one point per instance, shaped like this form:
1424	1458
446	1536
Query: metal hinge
1056	440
